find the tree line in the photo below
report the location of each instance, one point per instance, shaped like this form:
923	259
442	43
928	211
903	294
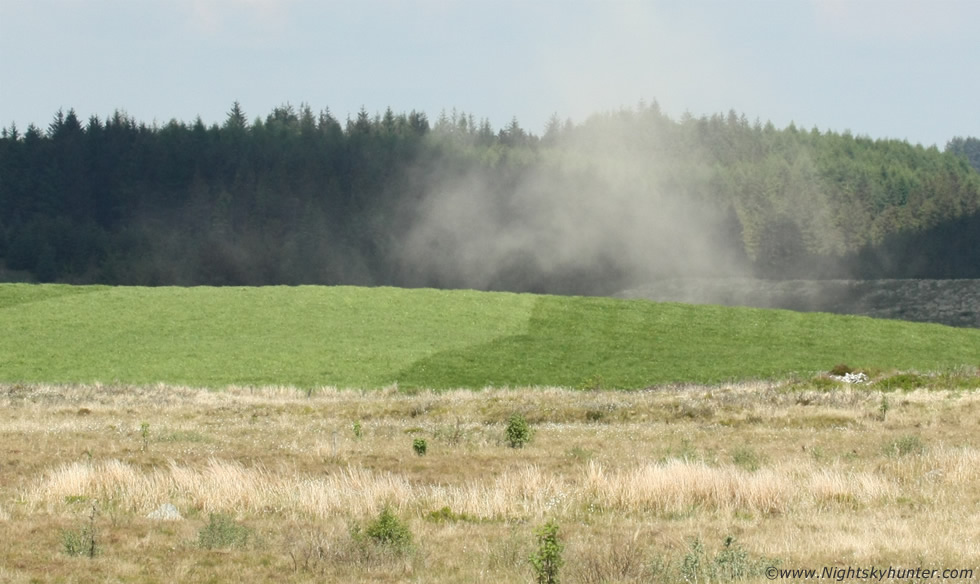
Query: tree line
298	197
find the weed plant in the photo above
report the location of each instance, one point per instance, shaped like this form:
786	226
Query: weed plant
81	542
731	564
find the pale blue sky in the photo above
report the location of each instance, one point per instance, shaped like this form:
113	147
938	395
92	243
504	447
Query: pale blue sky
907	69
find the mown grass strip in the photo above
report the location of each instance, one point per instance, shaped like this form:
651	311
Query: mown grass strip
371	337
304	336
633	344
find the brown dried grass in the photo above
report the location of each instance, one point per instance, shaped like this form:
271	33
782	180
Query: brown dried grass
630	487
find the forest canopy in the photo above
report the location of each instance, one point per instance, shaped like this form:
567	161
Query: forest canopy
624	197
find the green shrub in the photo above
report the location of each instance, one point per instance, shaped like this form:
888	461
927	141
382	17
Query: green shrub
547	560
447	515
356	428
443	515
419	446
884	407
902	381
692	566
221	532
841	369
518	431
79	542
732	562
389	531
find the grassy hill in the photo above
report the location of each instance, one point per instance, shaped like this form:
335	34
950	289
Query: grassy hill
371	337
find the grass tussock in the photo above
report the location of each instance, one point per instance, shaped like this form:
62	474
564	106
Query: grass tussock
679	485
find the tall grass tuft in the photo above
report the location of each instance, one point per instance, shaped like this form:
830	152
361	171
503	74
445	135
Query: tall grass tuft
678	485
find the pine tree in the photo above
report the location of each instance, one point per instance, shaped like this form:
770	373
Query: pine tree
236	120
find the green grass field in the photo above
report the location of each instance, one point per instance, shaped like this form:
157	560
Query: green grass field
311	336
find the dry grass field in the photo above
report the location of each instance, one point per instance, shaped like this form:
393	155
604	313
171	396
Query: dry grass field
661	485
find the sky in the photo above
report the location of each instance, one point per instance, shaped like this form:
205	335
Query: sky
905	69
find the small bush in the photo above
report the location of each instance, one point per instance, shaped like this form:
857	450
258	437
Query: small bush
419	446
518	431
884	407
841	369
356	428
547	560
389	531
221	532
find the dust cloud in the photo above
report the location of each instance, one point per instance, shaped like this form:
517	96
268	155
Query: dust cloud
593	216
